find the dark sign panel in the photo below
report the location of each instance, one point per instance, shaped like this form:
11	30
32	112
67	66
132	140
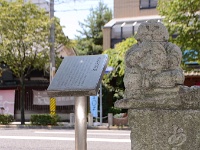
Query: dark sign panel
78	76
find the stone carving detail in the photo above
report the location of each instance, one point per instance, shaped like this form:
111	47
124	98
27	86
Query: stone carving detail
153	77
178	138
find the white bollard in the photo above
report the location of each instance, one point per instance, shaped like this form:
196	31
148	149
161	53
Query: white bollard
110	119
90	119
72	118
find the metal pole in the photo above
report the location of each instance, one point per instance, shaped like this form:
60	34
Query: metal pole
101	111
81	123
52	41
52	56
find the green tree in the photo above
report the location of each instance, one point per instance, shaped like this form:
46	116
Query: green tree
114	80
90	40
24	33
182	19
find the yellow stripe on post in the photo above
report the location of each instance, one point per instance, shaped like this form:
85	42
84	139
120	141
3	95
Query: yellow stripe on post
52	99
52	106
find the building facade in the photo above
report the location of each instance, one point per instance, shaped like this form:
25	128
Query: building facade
128	14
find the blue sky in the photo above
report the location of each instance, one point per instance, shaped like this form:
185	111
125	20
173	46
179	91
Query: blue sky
71	12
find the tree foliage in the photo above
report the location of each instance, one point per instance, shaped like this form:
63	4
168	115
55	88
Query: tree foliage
90	40
114	80
182	18
24	34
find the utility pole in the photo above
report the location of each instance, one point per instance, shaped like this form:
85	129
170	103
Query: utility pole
52	55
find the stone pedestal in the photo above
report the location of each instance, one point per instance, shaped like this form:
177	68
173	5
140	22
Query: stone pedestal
164	129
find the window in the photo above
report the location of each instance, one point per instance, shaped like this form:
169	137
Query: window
127	30
116	31
145	4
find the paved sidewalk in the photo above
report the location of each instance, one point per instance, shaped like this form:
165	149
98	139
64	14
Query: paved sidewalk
61	125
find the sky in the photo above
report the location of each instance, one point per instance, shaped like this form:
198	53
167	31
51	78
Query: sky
71	12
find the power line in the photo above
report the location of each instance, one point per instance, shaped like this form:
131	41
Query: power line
72	10
66	10
57	2
75	9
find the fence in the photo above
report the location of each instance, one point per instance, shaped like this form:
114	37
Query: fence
28	103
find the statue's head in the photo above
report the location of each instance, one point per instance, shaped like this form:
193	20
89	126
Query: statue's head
152	30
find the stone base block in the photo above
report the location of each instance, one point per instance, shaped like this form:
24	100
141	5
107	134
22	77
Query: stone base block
164	129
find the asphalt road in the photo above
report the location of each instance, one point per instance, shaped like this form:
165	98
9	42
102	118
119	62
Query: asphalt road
62	139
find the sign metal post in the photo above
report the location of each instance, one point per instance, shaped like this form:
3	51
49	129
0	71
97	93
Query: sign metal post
79	76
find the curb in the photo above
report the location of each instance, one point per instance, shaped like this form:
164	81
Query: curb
28	126
34	127
108	128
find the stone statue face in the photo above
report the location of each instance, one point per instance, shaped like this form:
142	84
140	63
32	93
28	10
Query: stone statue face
152	31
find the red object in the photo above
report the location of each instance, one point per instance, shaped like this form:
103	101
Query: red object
198	84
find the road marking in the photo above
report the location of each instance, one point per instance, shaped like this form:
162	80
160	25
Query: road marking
65	139
88	133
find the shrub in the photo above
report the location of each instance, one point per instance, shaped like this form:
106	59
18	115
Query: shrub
44	119
114	110
6	119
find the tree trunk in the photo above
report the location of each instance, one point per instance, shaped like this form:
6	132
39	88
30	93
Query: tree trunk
22	99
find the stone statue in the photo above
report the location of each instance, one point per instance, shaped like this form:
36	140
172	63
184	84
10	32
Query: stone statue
152	68
153	64
162	113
